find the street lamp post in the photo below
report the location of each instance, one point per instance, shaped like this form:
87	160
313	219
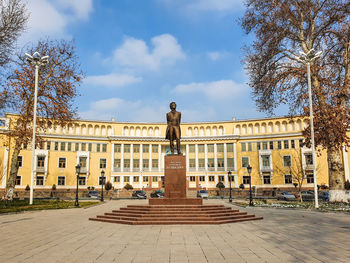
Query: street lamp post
229	179
102	183
77	171
37	61
249	169
307	59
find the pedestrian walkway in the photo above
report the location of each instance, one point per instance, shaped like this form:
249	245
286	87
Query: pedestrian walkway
68	236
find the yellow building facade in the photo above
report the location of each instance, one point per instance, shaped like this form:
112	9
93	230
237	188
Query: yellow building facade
133	153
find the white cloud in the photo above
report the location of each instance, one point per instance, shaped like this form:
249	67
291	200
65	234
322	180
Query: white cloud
217	90
51	18
134	53
216	55
125	110
112	80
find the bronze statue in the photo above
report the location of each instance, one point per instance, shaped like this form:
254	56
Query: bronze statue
173	130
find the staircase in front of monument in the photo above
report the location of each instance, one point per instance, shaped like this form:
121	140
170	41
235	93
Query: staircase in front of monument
175	215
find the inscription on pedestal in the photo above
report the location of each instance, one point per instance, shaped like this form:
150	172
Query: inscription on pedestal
175	176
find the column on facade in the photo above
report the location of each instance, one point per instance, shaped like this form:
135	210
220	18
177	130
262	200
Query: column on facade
187	157
112	160
346	163
150	160
5	167
235	163
206	180
196	151
225	156
131	178
206	156
159	157
215	157
122	158
141	158
131	157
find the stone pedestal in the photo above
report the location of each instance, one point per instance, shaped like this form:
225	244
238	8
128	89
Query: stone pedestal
175	183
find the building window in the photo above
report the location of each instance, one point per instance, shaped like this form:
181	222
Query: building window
127	163
61	162
202	178
145	179
220	148
98	147
220	162
76	146
101	180
230	163
41	161
267	179
40	180
90	147
136	179
117	179
243	147
69	146
63	146
264	145
258	146
192	178
154	179
201	148
201	163
288	179
154	163
211	178
18	180
287	162
271	145
230	148
103	163
83	146
104	148
117	148
210	148
56	146
249	146
231	178
136	163
155	148
292	144
286	144
145	148
308	159
126	179
221	178
301	143
136	148
145	163
191	148
116	163
246	179
310	178
265	160
82	180
279	145
83	162
19	161
192	163
211	162
48	145
61	180
245	161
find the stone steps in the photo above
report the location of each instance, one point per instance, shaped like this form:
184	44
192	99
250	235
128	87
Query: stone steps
175	214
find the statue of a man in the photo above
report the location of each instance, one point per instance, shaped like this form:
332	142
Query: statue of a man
173	130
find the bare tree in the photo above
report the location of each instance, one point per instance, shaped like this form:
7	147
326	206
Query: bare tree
58	82
284	27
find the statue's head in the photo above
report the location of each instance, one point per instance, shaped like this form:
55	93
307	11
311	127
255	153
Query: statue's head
172	105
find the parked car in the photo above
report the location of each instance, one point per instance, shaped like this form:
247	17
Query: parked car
93	194
202	194
323	196
157	194
307	195
287	196
139	194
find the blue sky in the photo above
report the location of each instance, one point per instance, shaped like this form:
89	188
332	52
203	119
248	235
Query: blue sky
139	55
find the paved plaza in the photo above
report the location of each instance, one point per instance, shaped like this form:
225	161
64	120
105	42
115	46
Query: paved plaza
68	236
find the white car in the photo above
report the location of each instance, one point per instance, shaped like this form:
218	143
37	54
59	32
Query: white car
203	194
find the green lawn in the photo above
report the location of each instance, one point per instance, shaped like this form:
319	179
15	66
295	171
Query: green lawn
23	205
